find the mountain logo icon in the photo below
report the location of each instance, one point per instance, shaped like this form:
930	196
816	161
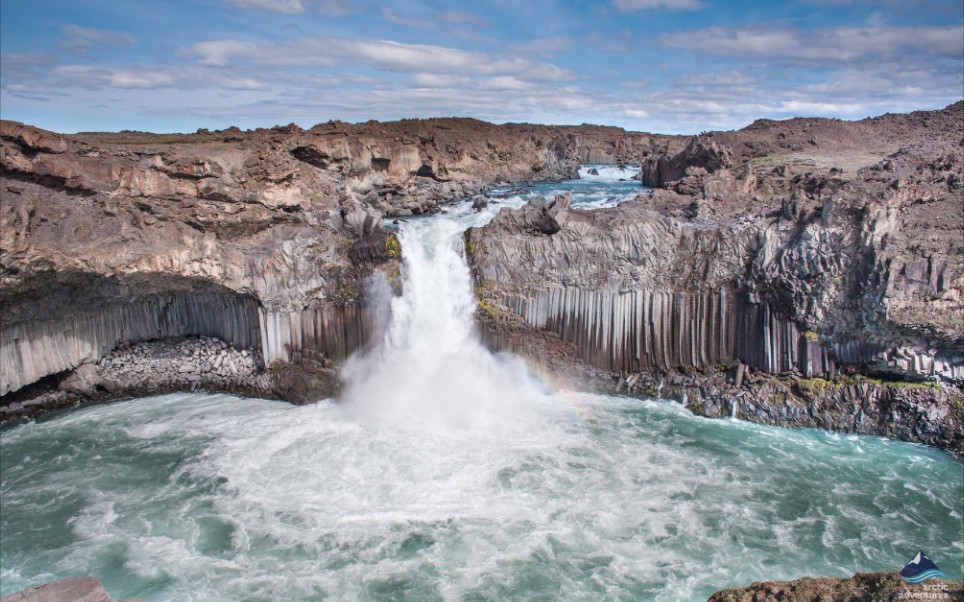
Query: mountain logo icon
920	569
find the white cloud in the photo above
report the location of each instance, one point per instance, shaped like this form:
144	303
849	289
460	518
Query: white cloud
544	47
730	78
628	6
798	107
463	18
505	82
439	80
382	55
294	7
442	81
415	22
140	79
218	53
277	6
82	38
834	45
183	77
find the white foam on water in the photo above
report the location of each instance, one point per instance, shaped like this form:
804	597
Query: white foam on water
608	173
634	500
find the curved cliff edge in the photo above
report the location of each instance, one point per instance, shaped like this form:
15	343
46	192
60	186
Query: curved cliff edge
802	273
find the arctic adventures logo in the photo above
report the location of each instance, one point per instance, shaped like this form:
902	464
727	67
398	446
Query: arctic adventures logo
920	569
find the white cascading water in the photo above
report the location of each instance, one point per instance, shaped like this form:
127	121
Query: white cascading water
429	368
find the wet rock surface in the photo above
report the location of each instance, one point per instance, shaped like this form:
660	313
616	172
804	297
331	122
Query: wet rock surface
862	587
76	589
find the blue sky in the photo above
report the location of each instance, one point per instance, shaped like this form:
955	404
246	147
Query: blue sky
670	66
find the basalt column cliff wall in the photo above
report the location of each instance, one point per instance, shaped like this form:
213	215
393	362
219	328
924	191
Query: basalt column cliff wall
635	291
81	321
798	249
268	240
743	257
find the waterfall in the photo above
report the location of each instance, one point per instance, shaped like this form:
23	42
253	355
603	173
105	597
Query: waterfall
429	366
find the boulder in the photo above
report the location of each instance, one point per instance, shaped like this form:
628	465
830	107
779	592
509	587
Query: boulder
82	381
363	221
700	157
77	589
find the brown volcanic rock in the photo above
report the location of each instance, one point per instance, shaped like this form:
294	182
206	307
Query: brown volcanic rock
263	239
700	157
744	259
32	139
78	589
873	259
862	587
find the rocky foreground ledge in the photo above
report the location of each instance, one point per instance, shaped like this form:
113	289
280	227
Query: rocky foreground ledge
862	587
76	589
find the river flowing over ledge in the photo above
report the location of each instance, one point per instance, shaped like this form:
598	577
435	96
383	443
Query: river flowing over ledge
799	273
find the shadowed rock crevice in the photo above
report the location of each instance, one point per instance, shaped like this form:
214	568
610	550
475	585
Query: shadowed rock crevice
58	324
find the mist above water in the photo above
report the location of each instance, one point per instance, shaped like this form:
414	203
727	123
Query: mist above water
428	368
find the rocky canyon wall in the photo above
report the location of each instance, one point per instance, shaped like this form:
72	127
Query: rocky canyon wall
777	250
266	240
782	271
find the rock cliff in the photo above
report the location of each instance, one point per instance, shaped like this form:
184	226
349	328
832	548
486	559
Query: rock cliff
778	250
264	240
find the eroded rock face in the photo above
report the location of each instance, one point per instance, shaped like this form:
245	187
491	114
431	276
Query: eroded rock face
803	275
78	589
862	586
701	156
267	240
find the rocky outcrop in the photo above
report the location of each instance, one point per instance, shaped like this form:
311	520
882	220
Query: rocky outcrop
76	589
700	157
267	240
881	587
805	276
